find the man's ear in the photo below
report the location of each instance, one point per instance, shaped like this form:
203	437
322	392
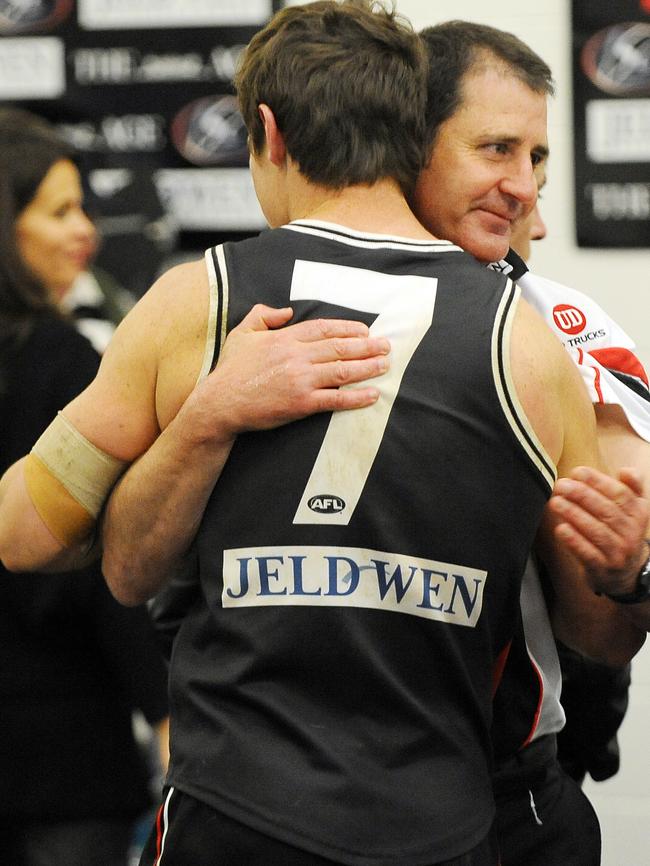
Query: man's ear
277	151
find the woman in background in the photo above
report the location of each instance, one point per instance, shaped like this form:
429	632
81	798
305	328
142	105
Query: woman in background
75	665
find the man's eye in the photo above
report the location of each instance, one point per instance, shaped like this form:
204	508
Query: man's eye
497	147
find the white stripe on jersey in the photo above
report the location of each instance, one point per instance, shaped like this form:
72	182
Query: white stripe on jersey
225	295
505	386
218	299
366	240
208	352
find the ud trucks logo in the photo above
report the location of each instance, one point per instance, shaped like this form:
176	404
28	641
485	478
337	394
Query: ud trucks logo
569	319
617	59
326	504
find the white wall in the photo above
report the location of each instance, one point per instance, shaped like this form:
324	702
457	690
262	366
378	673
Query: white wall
618	279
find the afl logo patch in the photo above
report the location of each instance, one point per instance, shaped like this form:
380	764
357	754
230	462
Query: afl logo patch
326	504
32	15
569	319
617	59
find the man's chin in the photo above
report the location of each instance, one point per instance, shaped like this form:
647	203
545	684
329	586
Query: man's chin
487	247
486	236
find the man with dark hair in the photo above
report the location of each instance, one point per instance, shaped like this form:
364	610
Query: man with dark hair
487	160
486	115
331	685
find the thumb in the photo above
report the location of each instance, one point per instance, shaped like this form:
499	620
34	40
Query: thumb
263	318
633	479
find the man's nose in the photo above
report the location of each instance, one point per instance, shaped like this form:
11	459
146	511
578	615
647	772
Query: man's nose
520	182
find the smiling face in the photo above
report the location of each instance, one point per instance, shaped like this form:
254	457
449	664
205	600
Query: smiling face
481	176
55	238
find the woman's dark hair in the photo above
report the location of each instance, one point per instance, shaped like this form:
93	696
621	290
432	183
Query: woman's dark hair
29	147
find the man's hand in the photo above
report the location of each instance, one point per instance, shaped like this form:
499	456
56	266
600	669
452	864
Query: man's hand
269	375
604	523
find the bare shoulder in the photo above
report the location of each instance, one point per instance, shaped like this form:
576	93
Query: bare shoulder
150	365
551	391
537	358
179	299
182	302
535	345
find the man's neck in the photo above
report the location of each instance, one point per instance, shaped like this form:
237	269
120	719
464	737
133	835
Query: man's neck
380	208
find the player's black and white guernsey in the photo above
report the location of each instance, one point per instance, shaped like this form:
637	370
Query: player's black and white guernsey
360	572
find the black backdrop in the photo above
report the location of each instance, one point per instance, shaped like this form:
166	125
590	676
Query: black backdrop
611	101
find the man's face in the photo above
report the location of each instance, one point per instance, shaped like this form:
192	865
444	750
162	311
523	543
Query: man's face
481	177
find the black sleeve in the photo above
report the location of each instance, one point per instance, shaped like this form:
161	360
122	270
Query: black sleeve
127	641
168	608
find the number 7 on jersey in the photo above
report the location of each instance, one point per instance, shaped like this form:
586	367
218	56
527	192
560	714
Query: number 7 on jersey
404	307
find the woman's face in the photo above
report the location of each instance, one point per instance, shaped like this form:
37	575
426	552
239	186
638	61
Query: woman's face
55	237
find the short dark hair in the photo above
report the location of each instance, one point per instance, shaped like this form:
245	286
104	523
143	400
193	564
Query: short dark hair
456	47
29	147
347	85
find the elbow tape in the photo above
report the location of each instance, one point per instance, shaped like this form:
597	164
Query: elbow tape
68	480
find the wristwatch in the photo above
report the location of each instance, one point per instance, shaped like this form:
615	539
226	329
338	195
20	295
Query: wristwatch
641	591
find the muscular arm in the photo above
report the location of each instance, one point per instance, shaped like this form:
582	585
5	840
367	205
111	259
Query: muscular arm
111	413
585	621
147	375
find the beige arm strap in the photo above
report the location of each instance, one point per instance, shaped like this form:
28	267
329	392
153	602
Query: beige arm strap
68	480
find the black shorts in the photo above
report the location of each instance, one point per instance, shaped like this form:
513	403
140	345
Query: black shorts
543	816
189	833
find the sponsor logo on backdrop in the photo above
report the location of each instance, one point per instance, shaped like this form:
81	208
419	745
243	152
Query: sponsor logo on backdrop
128	65
619	201
32	16
211	131
617	59
127	133
32	67
618	130
210	199
162	14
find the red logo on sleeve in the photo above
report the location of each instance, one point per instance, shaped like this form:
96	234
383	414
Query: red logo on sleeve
569	319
